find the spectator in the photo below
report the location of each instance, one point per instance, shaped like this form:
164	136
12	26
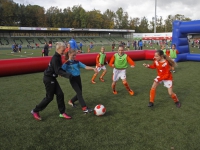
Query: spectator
73	44
140	44
81	45
46	49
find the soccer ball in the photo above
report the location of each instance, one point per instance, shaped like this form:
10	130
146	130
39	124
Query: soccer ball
99	110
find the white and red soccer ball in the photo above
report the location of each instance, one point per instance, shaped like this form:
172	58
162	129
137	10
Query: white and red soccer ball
99	110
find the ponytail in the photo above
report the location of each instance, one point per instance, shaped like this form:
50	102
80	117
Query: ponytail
171	62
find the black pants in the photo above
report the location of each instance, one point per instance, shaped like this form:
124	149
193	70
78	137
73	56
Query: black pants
77	86
46	52
52	87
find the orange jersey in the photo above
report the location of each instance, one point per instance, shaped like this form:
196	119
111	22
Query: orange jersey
167	52
163	70
129	60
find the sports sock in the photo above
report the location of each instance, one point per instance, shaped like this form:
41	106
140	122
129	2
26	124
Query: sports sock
103	74
84	108
113	87
152	95
94	76
174	97
126	85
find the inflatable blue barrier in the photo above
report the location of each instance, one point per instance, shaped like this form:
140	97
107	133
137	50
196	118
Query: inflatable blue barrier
179	37
193	57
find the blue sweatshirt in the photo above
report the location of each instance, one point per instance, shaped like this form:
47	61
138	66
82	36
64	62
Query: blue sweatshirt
73	67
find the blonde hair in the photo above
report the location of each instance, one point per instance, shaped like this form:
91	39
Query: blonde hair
59	45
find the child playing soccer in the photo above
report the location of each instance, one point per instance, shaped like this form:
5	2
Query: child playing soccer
162	63
173	54
120	62
100	61
73	66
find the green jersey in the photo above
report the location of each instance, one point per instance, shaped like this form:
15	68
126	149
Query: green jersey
173	53
120	61
102	58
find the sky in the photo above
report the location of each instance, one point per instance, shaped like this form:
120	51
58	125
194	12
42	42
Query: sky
135	8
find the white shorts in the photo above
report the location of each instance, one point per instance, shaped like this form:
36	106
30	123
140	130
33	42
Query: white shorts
167	83
119	74
102	67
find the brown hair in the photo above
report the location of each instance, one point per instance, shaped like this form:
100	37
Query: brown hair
171	62
69	52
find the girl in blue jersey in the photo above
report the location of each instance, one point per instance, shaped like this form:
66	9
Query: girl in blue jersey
73	66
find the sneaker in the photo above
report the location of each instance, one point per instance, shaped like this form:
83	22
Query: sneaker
101	79
64	115
131	92
93	81
71	104
88	110
150	104
114	92
36	115
178	104
173	71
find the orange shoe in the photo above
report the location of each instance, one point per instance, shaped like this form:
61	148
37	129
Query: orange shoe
93	81
131	92
101	79
114	92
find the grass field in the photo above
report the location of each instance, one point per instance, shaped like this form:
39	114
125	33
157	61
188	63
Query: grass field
127	125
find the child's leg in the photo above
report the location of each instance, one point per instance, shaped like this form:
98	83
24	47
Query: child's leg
125	83
173	95
76	85
153	92
103	73
93	77
113	87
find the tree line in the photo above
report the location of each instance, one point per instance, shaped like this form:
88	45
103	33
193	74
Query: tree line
14	14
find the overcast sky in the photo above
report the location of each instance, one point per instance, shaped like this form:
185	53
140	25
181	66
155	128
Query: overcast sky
135	8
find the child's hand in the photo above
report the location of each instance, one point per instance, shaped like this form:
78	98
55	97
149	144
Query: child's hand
132	66
146	65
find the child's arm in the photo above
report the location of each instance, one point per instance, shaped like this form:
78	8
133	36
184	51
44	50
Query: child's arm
111	63
91	68
152	66
130	61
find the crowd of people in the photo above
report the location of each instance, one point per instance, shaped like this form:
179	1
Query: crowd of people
163	62
16	48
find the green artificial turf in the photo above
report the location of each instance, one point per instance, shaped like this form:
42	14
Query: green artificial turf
127	125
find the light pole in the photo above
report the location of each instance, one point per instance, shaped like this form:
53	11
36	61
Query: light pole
155	19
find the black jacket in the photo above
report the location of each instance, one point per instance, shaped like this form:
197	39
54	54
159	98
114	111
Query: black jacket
54	69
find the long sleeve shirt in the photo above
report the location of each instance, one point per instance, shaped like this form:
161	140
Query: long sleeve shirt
55	68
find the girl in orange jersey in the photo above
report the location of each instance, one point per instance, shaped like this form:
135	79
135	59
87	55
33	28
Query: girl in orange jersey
163	64
100	61
119	61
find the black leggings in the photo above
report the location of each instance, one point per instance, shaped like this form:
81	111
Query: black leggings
77	86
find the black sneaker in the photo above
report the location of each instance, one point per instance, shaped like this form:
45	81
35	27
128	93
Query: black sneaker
88	110
178	104
150	104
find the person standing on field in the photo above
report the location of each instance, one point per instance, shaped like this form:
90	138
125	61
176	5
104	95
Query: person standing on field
51	84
